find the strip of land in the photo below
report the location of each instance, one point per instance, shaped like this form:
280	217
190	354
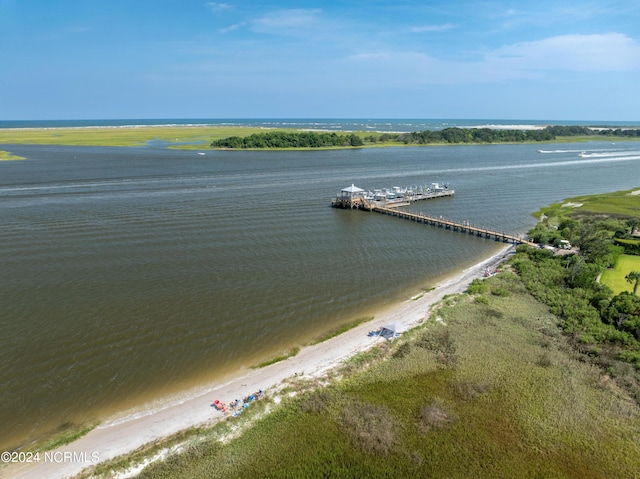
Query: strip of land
201	137
184	136
123	435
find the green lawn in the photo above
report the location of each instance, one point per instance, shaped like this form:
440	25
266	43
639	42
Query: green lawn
614	278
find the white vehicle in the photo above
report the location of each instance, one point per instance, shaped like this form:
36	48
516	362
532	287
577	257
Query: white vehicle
564	244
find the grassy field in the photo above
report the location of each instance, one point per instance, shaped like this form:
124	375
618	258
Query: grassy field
614	278
491	389
620	203
6	156
180	137
126	136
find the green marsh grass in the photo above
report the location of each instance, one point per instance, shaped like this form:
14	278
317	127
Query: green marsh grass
125	136
66	434
342	329
618	203
6	156
492	390
289	354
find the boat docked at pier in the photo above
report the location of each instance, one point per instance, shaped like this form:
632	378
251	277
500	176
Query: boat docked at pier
356	197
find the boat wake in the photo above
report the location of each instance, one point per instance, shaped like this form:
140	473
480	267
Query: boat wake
607	153
582	150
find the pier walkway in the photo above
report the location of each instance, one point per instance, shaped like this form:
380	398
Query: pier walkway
354	198
446	224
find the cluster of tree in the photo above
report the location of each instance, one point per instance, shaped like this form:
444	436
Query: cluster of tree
285	139
559	130
588	309
625	237
463	135
475	135
310	139
488	135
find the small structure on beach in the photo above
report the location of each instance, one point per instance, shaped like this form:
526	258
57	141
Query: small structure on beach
349	197
391	331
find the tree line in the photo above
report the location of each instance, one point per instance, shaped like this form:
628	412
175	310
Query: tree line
454	135
285	139
601	323
488	135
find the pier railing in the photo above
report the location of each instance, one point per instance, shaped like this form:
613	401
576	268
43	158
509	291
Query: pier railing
464	227
392	207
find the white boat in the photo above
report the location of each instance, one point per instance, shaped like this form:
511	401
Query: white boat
379	195
398	192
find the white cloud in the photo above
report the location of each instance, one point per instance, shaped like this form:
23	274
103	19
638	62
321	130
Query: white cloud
216	7
231	28
581	53
292	21
553	57
432	28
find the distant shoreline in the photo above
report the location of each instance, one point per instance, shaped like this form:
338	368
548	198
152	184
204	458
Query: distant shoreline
333	124
191	136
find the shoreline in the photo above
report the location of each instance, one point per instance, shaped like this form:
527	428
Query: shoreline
122	435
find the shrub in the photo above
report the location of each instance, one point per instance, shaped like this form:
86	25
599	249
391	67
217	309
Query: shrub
440	342
481	299
371	427
478	286
500	291
468	390
434	416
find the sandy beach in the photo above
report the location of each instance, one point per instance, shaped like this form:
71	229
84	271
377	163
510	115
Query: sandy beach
121	436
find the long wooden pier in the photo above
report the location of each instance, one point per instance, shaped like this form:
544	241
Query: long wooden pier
447	224
354	198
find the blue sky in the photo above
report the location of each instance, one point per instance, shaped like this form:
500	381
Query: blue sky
89	59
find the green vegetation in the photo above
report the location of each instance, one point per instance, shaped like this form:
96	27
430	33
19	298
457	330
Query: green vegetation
280	139
342	329
615	278
633	278
277	359
284	139
494	390
620	203
66	434
602	321
6	156
198	136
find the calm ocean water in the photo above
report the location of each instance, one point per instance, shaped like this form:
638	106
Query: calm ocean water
395	124
132	273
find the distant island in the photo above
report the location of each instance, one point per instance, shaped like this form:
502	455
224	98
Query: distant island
312	139
250	136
